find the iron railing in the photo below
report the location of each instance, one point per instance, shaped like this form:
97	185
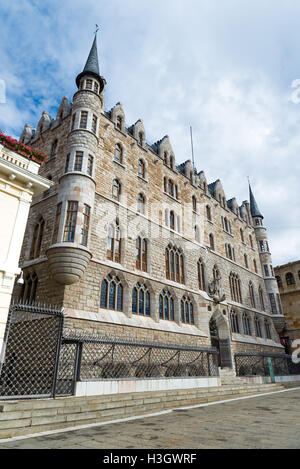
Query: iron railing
257	364
107	358
31	349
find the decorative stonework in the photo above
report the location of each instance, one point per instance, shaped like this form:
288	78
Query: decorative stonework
67	264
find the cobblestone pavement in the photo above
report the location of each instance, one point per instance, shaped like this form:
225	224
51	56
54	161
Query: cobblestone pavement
271	421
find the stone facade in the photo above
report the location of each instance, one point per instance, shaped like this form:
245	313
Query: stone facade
288	279
119	183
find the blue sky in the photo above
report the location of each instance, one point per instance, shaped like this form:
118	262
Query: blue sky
224	67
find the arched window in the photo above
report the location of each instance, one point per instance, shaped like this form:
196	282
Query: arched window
37	239
234	322
166	306
268	329
216	273
119	153
279	281
172	220
208	213
141	254
141	204
197	234
290	280
246	324
255	266
201	275
174	264
242	235
171	187
235	288
187	311
194	203
141	300
211	242
246	261
114	243
261	298
54	148
116	190
257	327
251	241
229	252
142	171
30	287
111	293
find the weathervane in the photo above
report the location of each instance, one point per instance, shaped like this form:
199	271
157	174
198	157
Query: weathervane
97	29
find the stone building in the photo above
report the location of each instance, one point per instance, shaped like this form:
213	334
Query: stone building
19	181
138	246
288	279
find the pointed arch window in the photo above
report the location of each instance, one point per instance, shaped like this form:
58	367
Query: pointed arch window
166	306
30	287
242	235
208	213
172	220
142	172
187	311
174	264
116	190
246	324
211	242
141	204
37	239
201	275
114	242
268	329
261	298
257	327
111	296
235	287
194	203
246	261
197	234
141	300
255	266
234	322
119	153
141	254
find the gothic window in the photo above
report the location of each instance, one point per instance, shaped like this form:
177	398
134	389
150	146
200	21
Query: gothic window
229	252
172	162
257	327
279	303
261	298
166	306
94	123
197	234
273	303
78	161
85	225
266	270
187	311
90	165
246	324
119	153
30	287
194	203
171	187
141	300
290	280
141	204
37	239
201	275
111	293
56	224
114	243
54	148
242	235
83	120
251	241
246	261
70	224
172	220
234	322
141	254
268	329
251	294
279	281
262	246
174	264
208	213
67	163
235	288
116	190
142	169
211	242
255	266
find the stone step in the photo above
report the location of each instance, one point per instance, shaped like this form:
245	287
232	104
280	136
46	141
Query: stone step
33	416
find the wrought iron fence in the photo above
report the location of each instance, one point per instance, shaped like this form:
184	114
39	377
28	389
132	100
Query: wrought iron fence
105	358
255	364
31	350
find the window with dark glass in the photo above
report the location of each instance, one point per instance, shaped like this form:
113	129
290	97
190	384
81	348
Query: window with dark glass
251	294
67	163
56	224
37	239
141	300
174	264
119	153
166	306
83	119
261	298
141	204
268	329
30	287
141	254
201	275
114	243
70	224
111	296
234	322
187	311
141	169
235	288
273	303
212	242
89	84
94	123
290	280
78	161
90	165
116	190
246	324
257	327
208	213
54	148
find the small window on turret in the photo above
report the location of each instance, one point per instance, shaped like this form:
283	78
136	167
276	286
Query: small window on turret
94	124
73	121
83	119
96	87
78	161
89	84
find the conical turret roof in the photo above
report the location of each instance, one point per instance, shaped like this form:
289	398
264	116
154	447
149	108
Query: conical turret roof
92	65
255	212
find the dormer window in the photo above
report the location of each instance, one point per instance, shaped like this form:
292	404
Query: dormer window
116	190
141	139
172	162
119	123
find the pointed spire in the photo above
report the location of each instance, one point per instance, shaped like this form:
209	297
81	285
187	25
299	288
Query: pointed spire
92	65
255	212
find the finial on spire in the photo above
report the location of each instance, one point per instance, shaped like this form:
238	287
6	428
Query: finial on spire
97	29
92	64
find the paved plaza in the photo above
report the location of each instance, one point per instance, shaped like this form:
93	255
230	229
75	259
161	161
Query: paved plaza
271	421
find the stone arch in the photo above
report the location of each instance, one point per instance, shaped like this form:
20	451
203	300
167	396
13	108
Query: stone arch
222	338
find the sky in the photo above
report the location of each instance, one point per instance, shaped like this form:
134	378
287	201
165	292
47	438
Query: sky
227	68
